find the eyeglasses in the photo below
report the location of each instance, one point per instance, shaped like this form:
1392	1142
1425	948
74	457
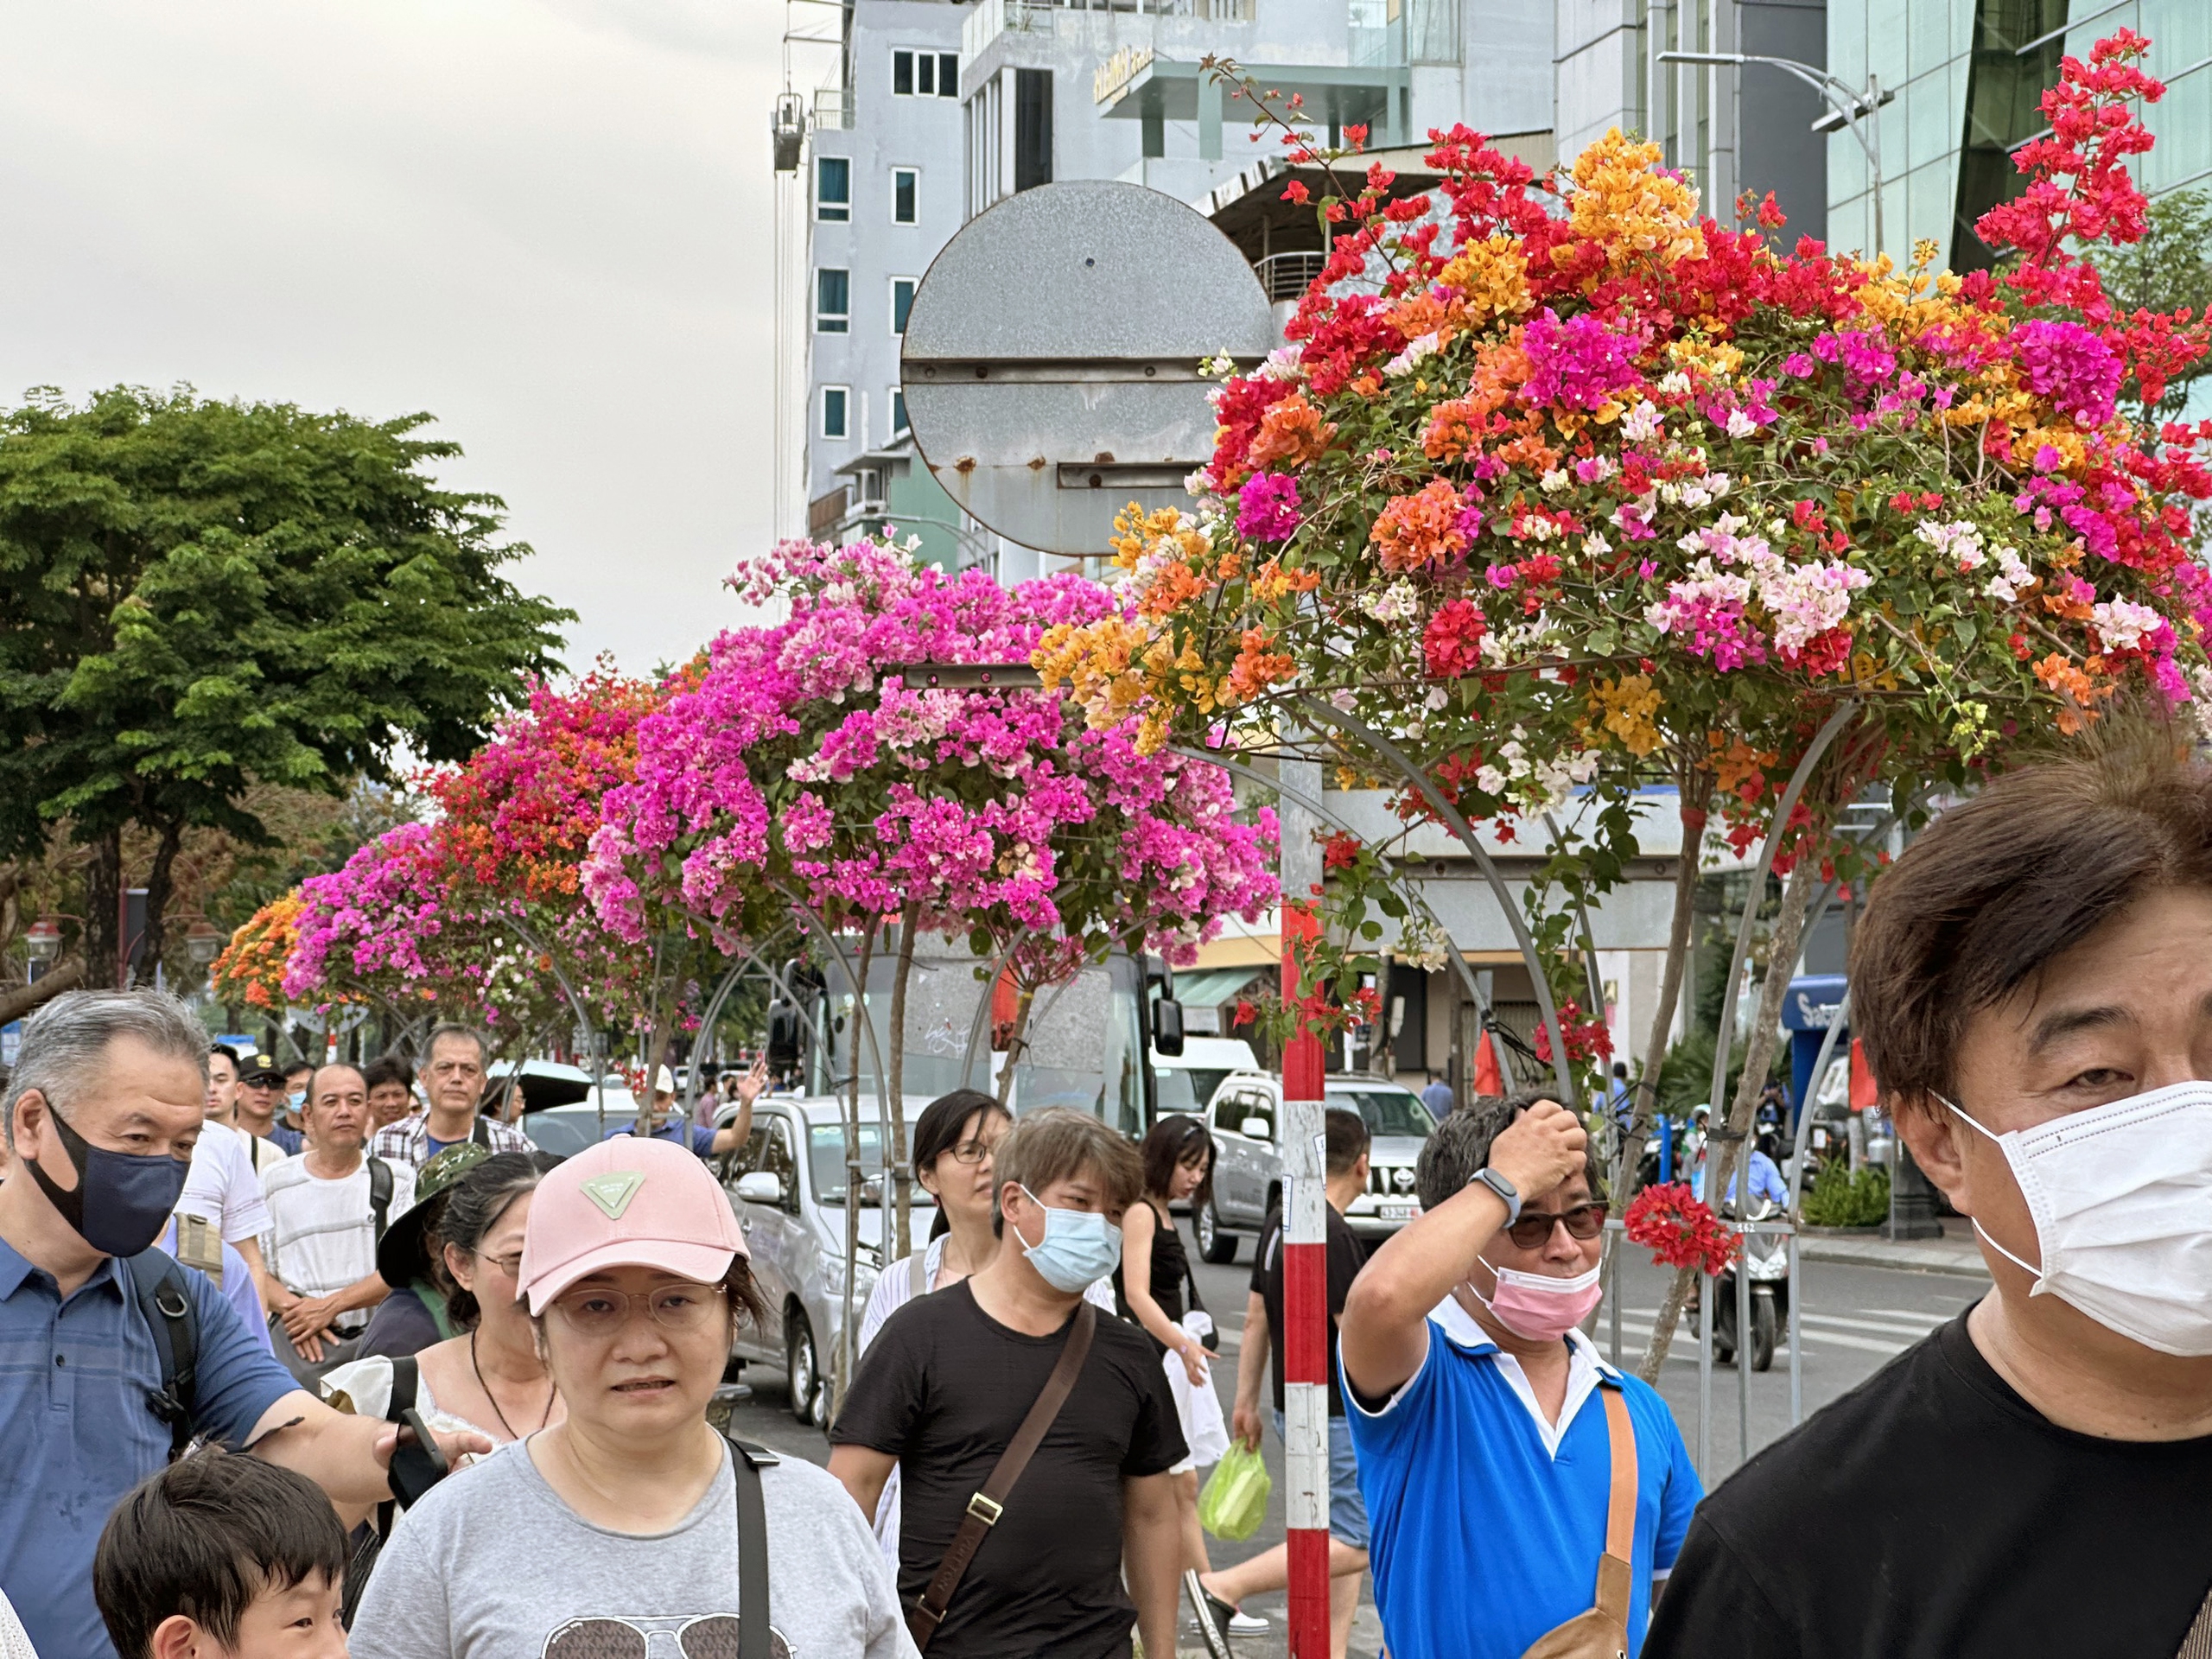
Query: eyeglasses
673	1308
510	1265
974	1152
1533	1229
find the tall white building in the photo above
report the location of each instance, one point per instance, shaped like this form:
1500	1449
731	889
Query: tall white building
942	110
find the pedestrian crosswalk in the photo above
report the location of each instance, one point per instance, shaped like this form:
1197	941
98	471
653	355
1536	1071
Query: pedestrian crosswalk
1884	1330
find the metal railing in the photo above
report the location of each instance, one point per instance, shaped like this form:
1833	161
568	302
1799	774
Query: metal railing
1287	275
833	109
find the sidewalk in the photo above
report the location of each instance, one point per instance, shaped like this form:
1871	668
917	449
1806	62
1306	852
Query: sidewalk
1954	1253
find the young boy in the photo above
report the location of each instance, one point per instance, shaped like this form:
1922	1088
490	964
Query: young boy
222	1556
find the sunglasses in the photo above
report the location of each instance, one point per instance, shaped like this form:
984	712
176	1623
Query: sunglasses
1533	1229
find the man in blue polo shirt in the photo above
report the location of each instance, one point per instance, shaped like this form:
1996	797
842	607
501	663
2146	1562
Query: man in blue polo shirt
101	1114
1484	1419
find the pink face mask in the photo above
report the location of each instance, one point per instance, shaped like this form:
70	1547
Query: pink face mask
1538	1307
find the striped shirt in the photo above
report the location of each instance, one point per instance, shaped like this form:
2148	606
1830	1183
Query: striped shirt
322	1235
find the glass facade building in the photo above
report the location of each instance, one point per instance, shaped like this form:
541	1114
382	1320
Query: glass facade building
1965	80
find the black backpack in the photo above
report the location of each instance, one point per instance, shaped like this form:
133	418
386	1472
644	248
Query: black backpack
157	1278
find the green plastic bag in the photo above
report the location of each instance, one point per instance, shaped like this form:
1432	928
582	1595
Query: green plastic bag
1234	1500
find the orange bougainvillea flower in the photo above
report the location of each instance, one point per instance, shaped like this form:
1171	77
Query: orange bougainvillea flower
1454	430
1292	432
1415	531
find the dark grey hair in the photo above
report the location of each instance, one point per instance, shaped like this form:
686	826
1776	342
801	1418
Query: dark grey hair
65	1042
474	1205
1459	1147
466	1034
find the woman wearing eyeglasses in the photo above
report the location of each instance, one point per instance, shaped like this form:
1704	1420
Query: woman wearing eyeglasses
954	1138
488	1378
626	1519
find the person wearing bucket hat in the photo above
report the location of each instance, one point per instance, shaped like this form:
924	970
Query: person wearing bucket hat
631	1516
414	1315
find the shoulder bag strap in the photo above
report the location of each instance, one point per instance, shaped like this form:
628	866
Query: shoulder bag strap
746	1460
166	1308
1614	1580
405	1374
380	1188
985	1508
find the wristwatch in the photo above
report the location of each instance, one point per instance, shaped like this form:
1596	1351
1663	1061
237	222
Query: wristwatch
1504	1189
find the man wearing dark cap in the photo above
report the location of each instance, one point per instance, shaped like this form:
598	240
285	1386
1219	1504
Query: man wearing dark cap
260	1091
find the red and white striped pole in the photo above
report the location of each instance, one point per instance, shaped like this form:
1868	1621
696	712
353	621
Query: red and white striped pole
1305	1245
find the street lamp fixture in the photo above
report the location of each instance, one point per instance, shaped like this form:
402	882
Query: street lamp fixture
1847	107
42	939
203	942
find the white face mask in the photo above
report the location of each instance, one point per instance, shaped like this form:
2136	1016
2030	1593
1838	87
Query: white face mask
2122	1200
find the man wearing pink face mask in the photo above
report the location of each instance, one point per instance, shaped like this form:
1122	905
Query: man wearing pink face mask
1515	1483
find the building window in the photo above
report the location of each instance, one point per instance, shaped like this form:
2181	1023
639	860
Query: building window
902	301
836	407
898	411
1032	128
833	188
833	302
925	74
906	196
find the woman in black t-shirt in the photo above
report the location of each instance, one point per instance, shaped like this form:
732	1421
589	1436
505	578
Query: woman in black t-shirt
1149	1284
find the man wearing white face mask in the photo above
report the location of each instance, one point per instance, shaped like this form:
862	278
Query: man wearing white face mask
2032	982
1032	1437
1515	1484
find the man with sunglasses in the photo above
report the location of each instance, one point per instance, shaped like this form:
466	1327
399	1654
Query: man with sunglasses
1478	1407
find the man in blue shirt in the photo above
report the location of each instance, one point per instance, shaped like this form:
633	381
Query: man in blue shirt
1483	1420
1766	1181
1438	1097
703	1138
101	1114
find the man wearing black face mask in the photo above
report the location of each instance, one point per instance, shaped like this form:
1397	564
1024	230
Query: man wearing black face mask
101	1114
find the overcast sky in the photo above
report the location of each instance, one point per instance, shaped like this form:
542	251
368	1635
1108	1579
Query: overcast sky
547	222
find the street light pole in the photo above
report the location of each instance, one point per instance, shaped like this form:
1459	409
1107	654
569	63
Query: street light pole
1845	106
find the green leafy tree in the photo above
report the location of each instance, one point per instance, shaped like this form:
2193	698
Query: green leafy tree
197	597
2169	270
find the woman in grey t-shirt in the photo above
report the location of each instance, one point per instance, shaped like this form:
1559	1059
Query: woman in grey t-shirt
619	1524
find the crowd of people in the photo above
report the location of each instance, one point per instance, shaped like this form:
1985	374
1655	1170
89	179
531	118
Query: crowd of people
414	1390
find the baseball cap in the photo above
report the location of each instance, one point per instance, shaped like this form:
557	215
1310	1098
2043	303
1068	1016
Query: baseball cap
260	1068
627	1203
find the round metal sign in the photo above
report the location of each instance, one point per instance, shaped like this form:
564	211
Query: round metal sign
1051	362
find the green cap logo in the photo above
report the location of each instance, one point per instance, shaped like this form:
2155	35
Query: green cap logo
613	1191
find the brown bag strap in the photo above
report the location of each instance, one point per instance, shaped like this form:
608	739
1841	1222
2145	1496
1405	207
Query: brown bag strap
1613	1569
985	1508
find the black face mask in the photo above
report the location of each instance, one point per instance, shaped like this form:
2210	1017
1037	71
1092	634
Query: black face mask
122	1199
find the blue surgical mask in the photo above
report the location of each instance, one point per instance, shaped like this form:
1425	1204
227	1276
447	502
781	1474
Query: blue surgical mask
1080	1247
298	1097
122	1199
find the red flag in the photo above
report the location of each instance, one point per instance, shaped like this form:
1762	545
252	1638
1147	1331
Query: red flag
1487	1078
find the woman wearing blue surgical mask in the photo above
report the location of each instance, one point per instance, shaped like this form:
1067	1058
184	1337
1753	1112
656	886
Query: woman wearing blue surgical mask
2032	985
948	1381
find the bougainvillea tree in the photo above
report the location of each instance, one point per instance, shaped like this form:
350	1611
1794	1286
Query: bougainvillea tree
799	769
1564	488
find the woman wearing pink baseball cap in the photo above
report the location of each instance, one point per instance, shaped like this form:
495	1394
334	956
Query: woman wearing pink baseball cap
633	1517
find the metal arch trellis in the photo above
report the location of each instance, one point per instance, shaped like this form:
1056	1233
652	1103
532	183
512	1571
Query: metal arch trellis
1458	957
1455	821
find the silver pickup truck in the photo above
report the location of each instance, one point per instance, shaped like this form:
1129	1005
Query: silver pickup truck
1244	1114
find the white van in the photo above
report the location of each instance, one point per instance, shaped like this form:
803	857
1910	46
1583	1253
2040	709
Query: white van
1188	1081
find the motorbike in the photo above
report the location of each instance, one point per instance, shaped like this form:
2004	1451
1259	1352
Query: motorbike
1764	1260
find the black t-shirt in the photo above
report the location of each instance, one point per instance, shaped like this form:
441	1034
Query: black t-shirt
944	1388
1932	1512
1345	1259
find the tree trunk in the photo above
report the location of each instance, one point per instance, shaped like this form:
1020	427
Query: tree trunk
160	887
842	1364
23	1000
102	891
1788	940
1015	1042
895	1170
1696	801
